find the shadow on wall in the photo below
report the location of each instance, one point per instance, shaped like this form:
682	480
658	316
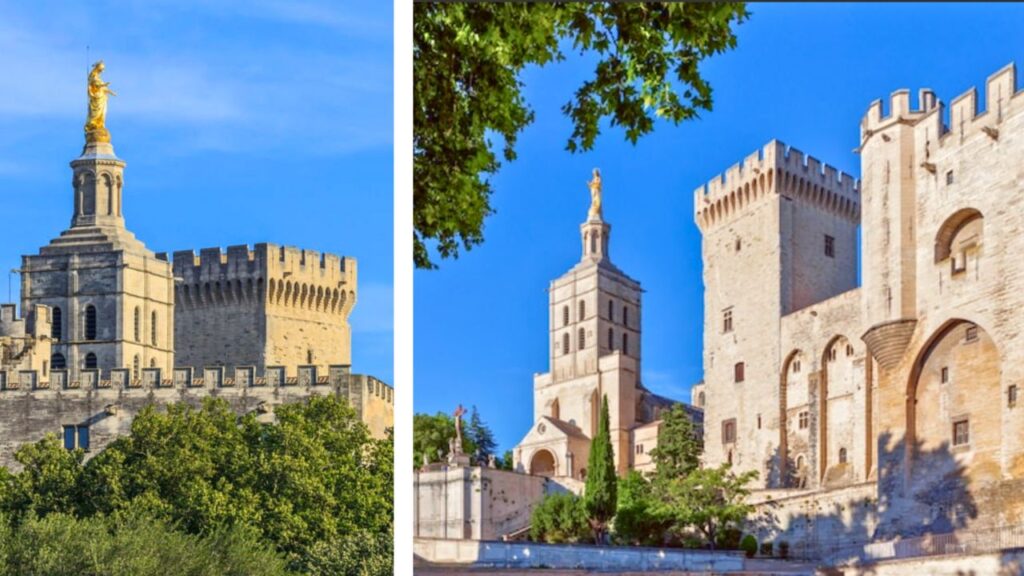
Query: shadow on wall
933	499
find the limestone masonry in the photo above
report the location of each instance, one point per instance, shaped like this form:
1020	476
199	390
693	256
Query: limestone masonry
108	326
892	408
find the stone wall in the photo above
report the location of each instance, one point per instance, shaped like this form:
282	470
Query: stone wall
32	405
265	306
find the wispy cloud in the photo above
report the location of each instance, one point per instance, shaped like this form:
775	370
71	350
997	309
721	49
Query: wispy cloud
240	95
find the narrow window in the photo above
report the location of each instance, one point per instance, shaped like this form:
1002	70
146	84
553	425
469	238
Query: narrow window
565	343
611	311
152	328
56	317
804	420
961	433
69	437
593	243
152	362
830	246
971	334
729	431
945	374
738	372
135	367
849	350
1011	396
90	361
842	455
796	366
949	178
611	339
83	437
138	325
581	340
45	364
729	458
309	356
739	245
727	320
625	343
90	322
625	316
583	310
565	315
758	421
57	361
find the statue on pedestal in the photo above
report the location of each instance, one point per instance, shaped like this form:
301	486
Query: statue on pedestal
96	121
595	196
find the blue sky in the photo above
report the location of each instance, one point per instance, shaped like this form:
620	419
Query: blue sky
241	122
801	73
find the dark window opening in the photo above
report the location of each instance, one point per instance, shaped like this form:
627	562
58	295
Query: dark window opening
90	322
738	370
961	432
56	318
830	246
90	361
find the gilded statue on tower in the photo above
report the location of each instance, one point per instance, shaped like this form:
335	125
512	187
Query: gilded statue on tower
595	196
96	122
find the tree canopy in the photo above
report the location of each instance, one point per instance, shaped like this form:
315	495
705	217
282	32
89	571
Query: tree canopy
467	61
314	486
679	446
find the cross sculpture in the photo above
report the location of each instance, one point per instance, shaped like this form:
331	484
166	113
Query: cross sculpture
458	428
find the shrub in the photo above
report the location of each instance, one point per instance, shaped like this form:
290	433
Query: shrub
749	545
766	548
729	539
783	549
559	518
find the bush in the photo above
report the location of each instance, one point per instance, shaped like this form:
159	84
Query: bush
559	519
749	545
766	548
729	539
783	549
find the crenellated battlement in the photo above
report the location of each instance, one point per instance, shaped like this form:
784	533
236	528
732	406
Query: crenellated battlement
265	273
966	115
775	169
337	378
35	324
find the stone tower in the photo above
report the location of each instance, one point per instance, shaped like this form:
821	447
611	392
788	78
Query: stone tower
779	233
594	347
111	299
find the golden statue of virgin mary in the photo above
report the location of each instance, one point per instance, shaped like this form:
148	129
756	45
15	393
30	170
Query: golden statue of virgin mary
595	196
96	121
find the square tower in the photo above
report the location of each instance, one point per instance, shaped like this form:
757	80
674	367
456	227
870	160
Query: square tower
779	233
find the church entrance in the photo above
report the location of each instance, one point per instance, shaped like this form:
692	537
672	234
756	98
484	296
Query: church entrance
542	463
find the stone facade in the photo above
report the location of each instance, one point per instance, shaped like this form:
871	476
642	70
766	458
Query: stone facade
909	383
266	306
106	316
594	348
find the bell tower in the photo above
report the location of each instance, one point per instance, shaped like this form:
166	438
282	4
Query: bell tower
110	297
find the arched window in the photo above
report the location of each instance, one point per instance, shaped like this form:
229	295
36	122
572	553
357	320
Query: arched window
611	339
135	367
625	343
611	311
138	324
581	342
152	362
700	400
593	243
90	322
842	455
565	343
625	316
90	361
57	361
152	328
55	323
583	310
565	315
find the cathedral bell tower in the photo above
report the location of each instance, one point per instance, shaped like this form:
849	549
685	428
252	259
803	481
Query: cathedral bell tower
110	297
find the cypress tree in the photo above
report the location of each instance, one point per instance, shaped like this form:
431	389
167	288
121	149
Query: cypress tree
599	496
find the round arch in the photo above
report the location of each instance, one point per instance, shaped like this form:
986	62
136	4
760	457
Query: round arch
543	463
836	371
963	361
783	452
950	228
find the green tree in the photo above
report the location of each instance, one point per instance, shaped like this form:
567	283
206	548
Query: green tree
679	446
431	435
479	433
467	60
559	519
507	461
636	519
355	554
130	545
709	501
314	476
599	499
